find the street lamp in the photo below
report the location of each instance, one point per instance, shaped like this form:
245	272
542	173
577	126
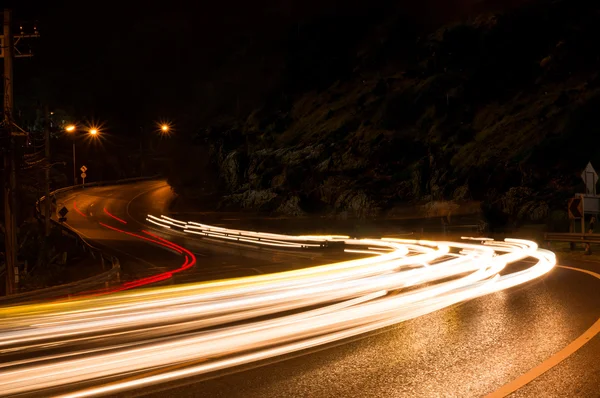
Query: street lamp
71	128
164	128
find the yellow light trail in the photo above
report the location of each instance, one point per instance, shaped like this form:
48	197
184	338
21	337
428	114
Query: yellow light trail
220	324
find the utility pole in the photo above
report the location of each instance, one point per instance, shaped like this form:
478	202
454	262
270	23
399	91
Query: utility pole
141	151
74	165
10	184
8	48
47	202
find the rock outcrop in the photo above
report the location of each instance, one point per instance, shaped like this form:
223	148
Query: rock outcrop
478	112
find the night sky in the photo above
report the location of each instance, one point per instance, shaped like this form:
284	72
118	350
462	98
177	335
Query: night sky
129	65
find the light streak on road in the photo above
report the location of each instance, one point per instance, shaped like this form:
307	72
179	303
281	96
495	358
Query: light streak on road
77	209
114	217
190	261
157	221
138	338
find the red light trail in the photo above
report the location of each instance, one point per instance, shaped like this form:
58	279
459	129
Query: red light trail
114	217
77	209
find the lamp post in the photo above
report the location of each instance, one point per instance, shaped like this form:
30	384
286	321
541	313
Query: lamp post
164	129
141	151
71	128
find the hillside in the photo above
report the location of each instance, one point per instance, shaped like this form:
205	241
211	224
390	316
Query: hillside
499	108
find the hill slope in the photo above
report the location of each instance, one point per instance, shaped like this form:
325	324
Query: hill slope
500	108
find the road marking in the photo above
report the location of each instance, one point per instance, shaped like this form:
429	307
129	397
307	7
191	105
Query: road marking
163	185
68	199
555	359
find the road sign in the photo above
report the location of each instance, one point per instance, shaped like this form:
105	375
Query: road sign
83	169
590	178
575	208
63	212
83	175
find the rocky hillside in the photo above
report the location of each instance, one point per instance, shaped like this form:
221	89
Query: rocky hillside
500	109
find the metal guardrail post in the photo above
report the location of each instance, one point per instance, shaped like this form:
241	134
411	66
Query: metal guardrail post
117	266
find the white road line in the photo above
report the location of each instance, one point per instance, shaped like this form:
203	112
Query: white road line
137	196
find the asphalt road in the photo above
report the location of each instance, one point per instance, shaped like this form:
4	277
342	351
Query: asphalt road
94	211
471	349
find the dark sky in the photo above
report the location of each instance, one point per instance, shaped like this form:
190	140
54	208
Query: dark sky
130	63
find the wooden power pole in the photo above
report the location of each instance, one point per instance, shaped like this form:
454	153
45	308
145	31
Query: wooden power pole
47	201
10	184
10	168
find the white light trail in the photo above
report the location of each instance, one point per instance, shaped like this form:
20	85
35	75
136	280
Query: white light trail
193	329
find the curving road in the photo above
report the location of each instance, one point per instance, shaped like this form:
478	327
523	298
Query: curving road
103	214
466	332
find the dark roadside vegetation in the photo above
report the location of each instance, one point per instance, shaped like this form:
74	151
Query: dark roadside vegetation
49	262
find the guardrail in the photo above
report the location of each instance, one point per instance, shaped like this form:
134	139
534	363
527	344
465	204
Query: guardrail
68	289
92	184
572	237
93	282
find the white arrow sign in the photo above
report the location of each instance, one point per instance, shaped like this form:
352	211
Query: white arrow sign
590	178
83	169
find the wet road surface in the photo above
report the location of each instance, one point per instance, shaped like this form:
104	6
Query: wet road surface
471	349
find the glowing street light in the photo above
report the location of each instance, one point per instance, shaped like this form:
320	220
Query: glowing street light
72	128
164	127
